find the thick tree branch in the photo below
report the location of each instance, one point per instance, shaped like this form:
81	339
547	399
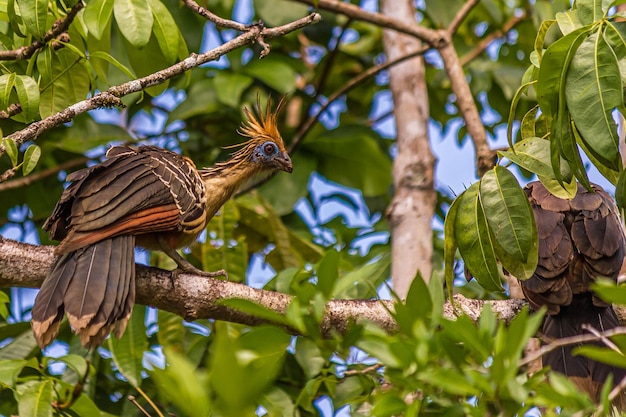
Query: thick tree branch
193	297
59	27
111	97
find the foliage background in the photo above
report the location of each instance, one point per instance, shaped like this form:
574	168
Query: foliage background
318	234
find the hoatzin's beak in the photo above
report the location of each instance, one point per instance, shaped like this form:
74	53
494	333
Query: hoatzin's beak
283	162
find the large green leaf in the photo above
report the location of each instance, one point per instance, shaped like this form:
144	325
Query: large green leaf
165	31
533	154
553	69
615	36
128	350
69	83
475	240
508	213
275	72
97	16
450	245
36	401
350	156
591	11
279	12
134	20
230	86
181	384
87	134
34	14
593	90
28	97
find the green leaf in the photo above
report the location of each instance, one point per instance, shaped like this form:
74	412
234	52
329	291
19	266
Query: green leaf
350	156
28	97
279	12
615	36
568	21
533	154
36	401
541	36
11	149
180	384
9	370
165	31
590	11
34	14
230	86
417	306
450	245
31	157
146	60
86	134
107	57
564	190
593	90
309	357
251	360
327	272
506	208
134	20
97	16
601	354
254	309
7	81
69	84
171	330
363	281
274	72
128	350
475	240
608	291
451	381
553	71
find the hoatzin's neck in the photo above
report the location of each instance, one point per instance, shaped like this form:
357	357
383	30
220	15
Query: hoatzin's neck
223	179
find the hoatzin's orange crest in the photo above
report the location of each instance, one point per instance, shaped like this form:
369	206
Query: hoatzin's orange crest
263	126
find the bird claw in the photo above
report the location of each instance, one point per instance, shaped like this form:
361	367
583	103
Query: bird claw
190	269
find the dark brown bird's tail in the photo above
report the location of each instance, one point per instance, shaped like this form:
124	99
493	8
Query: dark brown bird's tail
587	374
94	286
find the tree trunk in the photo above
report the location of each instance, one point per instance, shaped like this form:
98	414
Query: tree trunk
411	211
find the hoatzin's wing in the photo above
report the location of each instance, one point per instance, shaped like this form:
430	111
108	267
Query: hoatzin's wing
579	241
135	191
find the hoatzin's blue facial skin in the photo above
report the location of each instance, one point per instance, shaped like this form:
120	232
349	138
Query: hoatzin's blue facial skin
269	154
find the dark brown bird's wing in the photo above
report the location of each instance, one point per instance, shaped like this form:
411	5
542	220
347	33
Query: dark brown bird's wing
135	191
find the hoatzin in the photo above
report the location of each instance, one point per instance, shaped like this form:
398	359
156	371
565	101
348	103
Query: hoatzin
144	196
579	240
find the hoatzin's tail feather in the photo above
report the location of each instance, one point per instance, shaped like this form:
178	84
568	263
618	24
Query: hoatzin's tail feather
94	286
48	309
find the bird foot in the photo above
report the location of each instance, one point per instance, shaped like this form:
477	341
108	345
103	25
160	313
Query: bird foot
190	269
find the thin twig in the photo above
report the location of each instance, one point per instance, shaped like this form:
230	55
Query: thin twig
111	97
11	111
133	400
484	43
225	23
310	122
24	181
59	27
461	15
566	341
603	338
372	368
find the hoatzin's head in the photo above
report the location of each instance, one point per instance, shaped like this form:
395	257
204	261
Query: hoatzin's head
265	147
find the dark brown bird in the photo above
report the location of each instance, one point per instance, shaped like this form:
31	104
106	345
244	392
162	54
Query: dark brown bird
579	240
144	196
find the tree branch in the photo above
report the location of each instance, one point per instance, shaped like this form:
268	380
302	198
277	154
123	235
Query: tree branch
59	27
211	17
111	97
442	41
24	181
193	297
